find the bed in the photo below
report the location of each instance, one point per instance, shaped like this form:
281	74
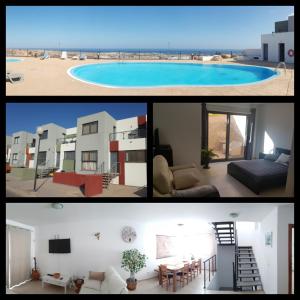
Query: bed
260	174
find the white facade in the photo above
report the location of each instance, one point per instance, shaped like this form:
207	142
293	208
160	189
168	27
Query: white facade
282	38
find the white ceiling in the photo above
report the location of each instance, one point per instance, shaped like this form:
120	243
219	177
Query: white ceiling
36	214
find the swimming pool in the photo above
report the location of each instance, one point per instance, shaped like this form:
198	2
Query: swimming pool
13	59
142	75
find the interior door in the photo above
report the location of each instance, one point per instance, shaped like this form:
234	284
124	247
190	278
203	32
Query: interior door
228	135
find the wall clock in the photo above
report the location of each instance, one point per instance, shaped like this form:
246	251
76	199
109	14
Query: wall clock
128	234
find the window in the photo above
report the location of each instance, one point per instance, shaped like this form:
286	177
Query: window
90	128
41	158
69	155
14	158
89	160
136	156
44	135
16	140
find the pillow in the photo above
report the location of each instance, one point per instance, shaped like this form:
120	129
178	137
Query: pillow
283	159
96	275
184	179
271	157
161	175
92	284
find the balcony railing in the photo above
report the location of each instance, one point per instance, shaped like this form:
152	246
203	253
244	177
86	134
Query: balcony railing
31	145
127	135
66	140
212	263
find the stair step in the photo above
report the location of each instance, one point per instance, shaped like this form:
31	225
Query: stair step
247	268
244	247
248	283
246	256
250	275
246	262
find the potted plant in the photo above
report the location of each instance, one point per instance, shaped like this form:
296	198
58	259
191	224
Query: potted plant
35	274
207	155
133	261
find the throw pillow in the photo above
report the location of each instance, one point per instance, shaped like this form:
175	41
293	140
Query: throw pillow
96	275
92	284
283	159
184	179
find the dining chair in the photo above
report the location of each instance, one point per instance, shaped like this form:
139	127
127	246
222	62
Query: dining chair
198	266
165	275
183	275
192	270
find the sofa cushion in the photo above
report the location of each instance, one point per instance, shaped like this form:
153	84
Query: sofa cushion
113	283
92	284
161	175
96	275
185	178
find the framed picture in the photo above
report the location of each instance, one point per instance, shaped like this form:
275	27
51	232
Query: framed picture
165	246
268	239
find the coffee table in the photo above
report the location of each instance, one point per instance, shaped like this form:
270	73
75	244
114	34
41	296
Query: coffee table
63	281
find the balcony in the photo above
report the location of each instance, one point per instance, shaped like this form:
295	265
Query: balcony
128	135
66	140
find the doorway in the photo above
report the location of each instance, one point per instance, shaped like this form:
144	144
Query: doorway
227	135
281	52
265	52
291	258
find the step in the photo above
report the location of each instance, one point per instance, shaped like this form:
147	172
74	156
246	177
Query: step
247	268
246	262
248	283
245	247
248	275
247	256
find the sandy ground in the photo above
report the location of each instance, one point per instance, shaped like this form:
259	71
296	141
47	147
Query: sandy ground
49	77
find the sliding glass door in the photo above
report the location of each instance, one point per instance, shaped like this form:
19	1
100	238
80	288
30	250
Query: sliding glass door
227	135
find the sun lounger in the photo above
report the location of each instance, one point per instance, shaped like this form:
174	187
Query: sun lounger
14	77
64	55
75	57
82	57
45	56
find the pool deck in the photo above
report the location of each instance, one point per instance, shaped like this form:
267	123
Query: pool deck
49	77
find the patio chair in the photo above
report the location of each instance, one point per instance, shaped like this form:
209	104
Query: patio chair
64	55
82	56
14	77
45	55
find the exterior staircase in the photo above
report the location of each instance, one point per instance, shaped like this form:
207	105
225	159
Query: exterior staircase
107	178
247	277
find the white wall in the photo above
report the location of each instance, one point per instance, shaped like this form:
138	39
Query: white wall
290	179
225	258
63	148
127	124
132	144
180	126
277	119
266	256
273	40
72	130
88	253
273	260
245	233
136	174
285	217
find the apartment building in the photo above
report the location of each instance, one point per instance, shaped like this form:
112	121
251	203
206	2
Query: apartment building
278	46
98	144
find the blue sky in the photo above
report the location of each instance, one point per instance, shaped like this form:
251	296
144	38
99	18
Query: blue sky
27	116
215	27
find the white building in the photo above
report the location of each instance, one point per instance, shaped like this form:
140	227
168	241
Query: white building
278	46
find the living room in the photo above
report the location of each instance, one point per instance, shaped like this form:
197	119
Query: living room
88	248
228	149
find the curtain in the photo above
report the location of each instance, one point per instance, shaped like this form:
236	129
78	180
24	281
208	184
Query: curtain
204	140
19	251
250	134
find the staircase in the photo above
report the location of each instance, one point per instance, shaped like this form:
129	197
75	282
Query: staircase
107	178
247	276
224	233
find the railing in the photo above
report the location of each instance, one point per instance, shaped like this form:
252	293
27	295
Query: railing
282	63
131	134
212	261
66	140
236	260
122	54
31	145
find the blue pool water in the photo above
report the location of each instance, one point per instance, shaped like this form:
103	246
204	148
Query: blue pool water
13	59
169	74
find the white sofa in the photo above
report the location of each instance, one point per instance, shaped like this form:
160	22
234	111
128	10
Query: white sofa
112	284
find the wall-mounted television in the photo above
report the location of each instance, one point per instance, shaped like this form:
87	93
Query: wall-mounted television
60	246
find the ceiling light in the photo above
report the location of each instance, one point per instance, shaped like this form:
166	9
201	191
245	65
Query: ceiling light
57	205
233	215
180	224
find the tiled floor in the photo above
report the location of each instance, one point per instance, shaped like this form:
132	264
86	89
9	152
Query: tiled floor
229	186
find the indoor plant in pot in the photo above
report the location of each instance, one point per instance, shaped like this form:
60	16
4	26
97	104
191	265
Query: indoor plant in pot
207	156
133	261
